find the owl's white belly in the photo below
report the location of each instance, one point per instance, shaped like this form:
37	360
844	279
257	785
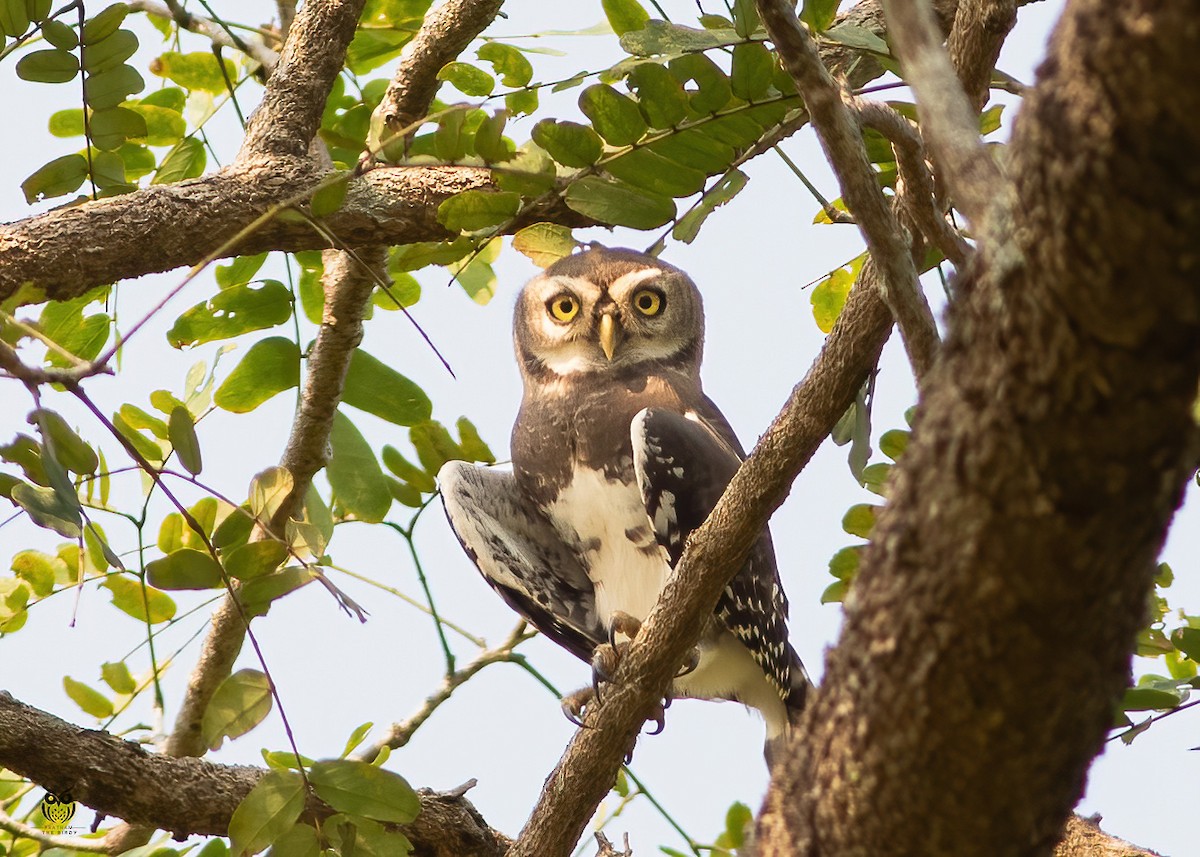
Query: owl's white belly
607	521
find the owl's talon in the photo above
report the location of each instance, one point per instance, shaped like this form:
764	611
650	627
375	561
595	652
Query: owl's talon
574	705
659	717
689	666
622	623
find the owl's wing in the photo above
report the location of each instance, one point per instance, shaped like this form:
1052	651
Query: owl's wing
683	464
521	555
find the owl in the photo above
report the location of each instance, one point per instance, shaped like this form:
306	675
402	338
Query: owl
617	455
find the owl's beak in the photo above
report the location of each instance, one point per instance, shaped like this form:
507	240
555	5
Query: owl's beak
608	335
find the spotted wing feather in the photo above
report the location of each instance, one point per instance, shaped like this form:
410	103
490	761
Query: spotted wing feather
683	464
521	555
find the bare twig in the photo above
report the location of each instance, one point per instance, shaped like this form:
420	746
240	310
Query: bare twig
214	31
948	122
841	137
401	733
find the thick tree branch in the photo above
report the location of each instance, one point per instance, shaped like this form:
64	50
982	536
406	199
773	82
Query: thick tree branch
445	33
841	138
978	34
949	121
714	552
1049	452
286	121
190	796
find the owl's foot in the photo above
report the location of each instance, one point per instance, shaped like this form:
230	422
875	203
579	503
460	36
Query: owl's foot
574	705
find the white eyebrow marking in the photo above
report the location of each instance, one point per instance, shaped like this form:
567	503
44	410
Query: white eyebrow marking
625	282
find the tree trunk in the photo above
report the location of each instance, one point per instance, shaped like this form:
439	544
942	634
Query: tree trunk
991	625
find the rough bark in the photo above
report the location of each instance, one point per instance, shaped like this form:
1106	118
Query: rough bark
991	625
188	795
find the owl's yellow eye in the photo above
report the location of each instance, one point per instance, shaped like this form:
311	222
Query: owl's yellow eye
648	302
564	307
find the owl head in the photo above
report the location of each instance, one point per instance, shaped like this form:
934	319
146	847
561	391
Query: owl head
608	310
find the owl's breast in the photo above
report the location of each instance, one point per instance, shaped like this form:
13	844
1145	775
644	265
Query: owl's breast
604	521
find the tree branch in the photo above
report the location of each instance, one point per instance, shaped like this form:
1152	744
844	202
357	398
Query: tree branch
978	34
841	138
191	796
1050	449
948	122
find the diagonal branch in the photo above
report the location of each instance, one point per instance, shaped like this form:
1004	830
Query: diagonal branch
948	120
841	138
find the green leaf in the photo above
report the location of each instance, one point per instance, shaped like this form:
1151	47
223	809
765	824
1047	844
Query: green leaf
116	675
373	47
615	117
183	438
859	520
271	366
1187	640
67	123
696	150
737	820
92	701
104	24
70	449
14	17
649	171
354	473
569	143
145	447
163	126
360	788
49	66
240	271
136	418
268	490
186	160
268	812
169	97
624	16
489	139
989	120
144	603
49	509
660	95
844	564
512	66
39	570
330	197
619	204
450	139
472	444
522	102
112	126
234	529
374	387
470	81
722	192
529	173
54	179
819	14
713	90
835	592
110	51
60	35
232	312
109	88
356	738
195	71
829	296
139	161
409	472
258	594
239	704
434	445
185	568
300	840
472	210
1150	699
874	477
893	443
752	70
853	36
544	243
660	38
255	559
